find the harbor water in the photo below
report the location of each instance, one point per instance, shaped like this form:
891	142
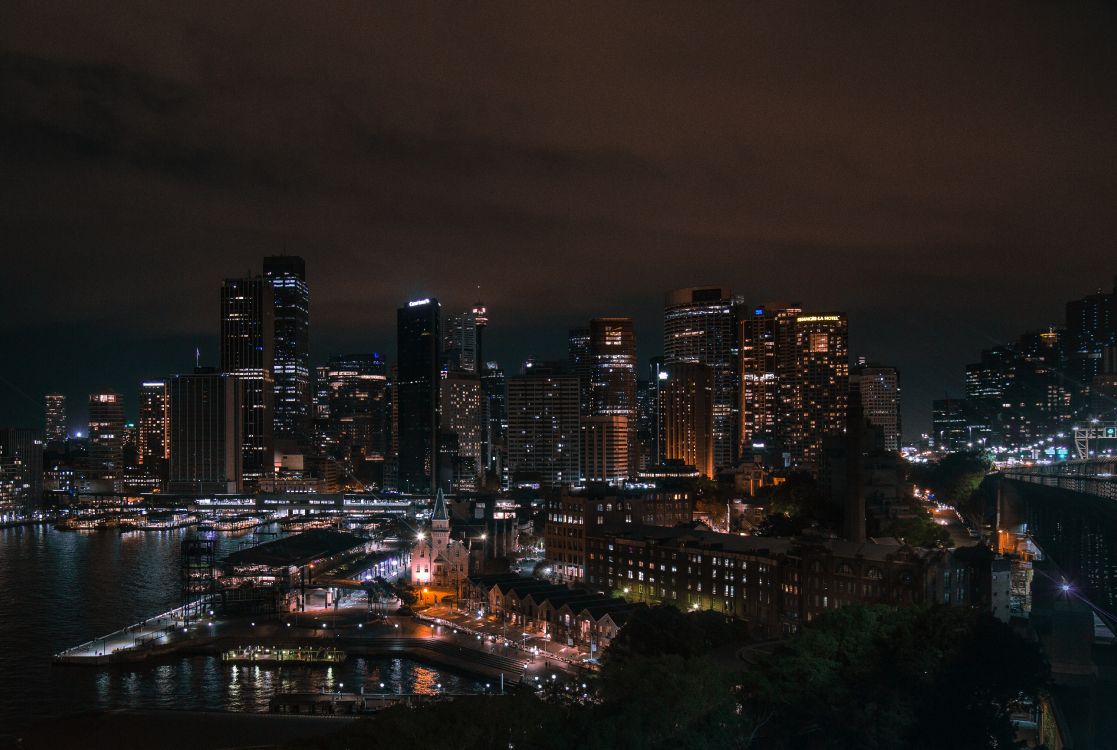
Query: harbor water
62	588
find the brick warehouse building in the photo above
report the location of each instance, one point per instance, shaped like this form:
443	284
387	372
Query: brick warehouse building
771	583
573	516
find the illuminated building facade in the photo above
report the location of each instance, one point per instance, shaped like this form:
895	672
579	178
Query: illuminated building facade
572	517
247	353
462	335
604	450
613	359
820	383
879	386
436	559
357	411
106	435
290	367
767	369
21	469
699	327
55	427
461	416
774	584
418	343
686	415
153	432
543	428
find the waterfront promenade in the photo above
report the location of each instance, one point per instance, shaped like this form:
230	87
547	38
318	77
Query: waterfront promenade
351	629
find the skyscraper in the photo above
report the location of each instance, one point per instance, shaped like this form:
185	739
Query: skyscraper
247	353
699	327
613	379
55	431
358	406
494	392
767	369
460	343
686	406
106	435
820	384
879	389
461	417
481	321
153	434
291	362
613	359
21	469
418	343
205	438
543	428
603	450
580	363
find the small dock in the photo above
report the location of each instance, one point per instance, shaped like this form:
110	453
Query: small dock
303	654
317	703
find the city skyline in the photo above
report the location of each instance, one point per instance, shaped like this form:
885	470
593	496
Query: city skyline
30	406
425	172
585	375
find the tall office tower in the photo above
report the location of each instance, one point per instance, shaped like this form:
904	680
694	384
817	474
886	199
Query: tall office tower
604	450
106	435
543	428
613	358
460	343
699	326
879	389
206	441
357	407
493	391
820	388
461	416
580	362
647	421
1103	390
322	392
1091	327
767	357
153	433
418	341
291	362
481	321
21	469
687	398
648	429
613	382
55	431
247	336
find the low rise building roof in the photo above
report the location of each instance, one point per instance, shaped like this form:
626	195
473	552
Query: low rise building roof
296	550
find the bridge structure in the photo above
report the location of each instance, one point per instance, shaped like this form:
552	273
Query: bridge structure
1093	476
1069	509
1092	438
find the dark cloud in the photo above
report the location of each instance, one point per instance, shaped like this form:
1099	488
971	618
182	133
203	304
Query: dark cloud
941	171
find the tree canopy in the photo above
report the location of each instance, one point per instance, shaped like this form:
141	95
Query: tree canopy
881	677
871	677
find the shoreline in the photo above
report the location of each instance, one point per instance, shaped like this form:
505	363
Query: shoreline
432	651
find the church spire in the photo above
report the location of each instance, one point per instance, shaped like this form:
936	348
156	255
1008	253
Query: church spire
440	513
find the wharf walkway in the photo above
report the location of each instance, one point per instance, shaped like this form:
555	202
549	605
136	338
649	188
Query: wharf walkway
154	632
350	632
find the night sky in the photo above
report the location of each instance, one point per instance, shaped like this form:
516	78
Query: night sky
943	174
